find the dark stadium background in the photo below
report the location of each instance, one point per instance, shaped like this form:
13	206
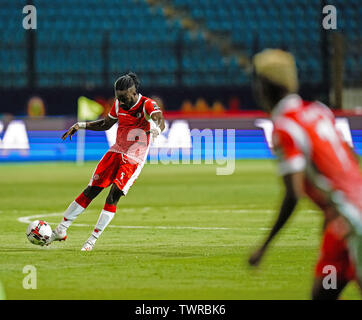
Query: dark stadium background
192	56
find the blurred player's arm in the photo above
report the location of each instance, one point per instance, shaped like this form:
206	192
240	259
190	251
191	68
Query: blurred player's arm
97	125
293	190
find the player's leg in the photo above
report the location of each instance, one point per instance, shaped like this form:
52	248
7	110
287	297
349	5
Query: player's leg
333	270
74	210
127	172
321	291
105	217
355	252
101	178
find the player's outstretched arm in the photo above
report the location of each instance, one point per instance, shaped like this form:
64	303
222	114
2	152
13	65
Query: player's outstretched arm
101	124
293	190
98	125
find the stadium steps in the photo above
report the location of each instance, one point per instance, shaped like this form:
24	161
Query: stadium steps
221	40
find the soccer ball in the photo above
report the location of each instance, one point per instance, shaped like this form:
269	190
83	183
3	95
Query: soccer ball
38	232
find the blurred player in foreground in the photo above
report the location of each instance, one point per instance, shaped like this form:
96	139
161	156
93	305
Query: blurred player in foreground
122	164
314	161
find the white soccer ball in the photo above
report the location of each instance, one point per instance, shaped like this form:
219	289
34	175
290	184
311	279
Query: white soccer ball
38	232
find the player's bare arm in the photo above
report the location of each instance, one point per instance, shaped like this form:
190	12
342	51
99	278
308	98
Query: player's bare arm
158	119
98	125
293	190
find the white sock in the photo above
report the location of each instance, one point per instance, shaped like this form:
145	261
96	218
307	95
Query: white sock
104	219
73	211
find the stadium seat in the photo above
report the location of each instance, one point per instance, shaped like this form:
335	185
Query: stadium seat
71	35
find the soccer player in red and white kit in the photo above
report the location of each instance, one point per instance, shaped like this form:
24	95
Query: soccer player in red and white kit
315	161
122	164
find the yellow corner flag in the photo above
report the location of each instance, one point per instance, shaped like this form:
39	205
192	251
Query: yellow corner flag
88	109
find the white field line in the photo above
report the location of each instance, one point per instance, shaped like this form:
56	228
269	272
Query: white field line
28	219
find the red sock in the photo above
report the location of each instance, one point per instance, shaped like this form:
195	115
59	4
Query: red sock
83	201
110	207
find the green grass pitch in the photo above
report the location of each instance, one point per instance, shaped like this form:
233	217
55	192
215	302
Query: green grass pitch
182	232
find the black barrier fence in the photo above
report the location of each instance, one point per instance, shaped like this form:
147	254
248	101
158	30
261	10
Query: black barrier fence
63	101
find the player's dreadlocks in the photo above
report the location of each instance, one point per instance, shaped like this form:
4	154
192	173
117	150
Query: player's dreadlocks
126	81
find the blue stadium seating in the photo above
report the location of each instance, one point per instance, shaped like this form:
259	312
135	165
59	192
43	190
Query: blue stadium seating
70	37
291	24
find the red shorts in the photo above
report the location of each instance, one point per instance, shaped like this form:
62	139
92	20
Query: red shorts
334	252
115	168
